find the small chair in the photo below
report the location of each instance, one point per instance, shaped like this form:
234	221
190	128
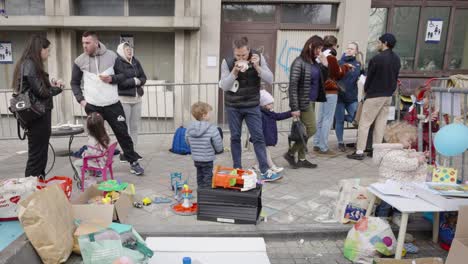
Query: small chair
108	166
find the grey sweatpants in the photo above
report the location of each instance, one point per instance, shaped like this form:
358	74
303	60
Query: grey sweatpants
133	117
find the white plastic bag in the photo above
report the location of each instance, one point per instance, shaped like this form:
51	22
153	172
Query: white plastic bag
369	237
12	191
353	200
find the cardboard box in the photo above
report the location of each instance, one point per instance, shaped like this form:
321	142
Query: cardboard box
120	209
409	261
444	202
229	206
459	250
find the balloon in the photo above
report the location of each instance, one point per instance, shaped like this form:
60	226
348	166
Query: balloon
451	140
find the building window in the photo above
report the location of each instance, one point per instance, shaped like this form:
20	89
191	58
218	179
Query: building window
405	27
377	25
25	7
154	50
431	54
248	13
458	58
99	7
309	14
151	7
19	40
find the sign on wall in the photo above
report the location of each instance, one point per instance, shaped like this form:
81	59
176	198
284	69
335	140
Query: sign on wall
6	53
434	30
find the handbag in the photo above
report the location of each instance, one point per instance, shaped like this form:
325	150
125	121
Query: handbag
357	116
23	108
298	133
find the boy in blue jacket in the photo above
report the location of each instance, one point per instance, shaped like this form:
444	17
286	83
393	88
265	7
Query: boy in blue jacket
205	141
270	129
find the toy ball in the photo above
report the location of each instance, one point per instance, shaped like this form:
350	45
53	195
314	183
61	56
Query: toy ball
451	140
387	241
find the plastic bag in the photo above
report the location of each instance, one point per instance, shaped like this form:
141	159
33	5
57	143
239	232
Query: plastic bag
353	201
369	237
101	247
12	191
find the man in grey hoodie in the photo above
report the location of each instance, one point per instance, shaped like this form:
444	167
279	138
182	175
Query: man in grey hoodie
205	141
95	67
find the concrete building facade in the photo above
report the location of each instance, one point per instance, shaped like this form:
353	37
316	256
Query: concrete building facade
184	41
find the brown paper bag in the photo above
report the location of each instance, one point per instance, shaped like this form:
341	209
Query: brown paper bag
47	220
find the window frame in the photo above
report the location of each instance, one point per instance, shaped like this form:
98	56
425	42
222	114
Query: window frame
454	5
276	23
126	6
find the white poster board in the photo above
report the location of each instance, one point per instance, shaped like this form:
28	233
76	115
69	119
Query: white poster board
208	250
6	52
433	30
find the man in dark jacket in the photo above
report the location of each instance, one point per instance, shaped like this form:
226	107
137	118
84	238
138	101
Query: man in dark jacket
381	83
241	76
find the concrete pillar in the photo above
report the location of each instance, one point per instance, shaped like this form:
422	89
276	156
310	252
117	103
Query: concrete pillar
53	69
180	107
60	67
210	38
353	20
49	7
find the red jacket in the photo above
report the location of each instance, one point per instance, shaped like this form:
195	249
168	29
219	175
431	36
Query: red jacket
335	73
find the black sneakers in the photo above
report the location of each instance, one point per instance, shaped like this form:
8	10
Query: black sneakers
291	160
342	147
306	164
356	156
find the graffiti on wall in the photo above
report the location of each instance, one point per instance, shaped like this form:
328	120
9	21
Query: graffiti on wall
286	56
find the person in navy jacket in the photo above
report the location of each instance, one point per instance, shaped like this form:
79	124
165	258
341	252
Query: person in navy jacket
270	129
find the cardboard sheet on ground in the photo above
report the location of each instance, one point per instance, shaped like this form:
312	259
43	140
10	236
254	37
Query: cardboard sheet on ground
208	250
459	251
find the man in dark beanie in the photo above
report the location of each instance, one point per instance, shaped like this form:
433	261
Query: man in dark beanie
381	83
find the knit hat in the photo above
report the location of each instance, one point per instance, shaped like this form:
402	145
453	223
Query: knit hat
388	38
265	98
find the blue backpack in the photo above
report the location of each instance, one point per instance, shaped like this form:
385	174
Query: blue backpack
179	146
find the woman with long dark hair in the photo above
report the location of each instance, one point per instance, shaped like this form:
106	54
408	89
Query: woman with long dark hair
30	75
98	142
306	79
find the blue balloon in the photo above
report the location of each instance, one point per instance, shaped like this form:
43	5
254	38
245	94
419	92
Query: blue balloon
451	140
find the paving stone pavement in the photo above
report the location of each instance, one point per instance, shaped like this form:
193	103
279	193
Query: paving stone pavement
330	251
288	250
303	201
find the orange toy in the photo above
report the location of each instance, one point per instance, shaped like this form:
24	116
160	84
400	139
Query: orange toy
186	207
237	179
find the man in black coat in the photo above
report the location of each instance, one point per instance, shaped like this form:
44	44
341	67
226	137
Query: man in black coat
381	83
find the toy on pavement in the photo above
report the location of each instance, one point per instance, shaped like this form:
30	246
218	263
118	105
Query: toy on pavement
177	184
186	207
236	179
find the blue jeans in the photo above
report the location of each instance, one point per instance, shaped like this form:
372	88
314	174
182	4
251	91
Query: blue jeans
253	118
340	117
325	121
204	173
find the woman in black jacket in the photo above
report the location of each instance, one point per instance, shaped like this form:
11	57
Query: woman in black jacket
306	80
130	78
29	75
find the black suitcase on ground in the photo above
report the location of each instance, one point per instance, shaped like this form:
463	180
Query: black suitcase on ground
229	206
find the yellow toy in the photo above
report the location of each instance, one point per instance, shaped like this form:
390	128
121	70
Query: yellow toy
146	201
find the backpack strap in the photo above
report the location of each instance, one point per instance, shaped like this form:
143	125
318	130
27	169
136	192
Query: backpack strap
19	131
